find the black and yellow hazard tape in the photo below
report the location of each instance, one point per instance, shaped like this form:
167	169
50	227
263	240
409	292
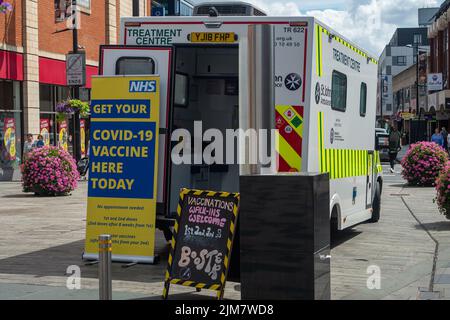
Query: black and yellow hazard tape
216	287
227	257
197	285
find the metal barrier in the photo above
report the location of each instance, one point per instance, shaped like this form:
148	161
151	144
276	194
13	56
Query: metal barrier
104	268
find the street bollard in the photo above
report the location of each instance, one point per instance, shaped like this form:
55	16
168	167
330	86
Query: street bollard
104	267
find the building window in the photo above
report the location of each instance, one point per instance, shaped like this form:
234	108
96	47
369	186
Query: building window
6	95
63	8
135	66
363	99
186	9
10	129
175	7
399	61
388	107
136	8
339	91
417	39
388	51
46	100
86	4
388	70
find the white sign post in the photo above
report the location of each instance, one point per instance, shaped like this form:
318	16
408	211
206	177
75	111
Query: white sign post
76	69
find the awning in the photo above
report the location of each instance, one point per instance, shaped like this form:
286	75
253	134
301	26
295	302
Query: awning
52	71
11	65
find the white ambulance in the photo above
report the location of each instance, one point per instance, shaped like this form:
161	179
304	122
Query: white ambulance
294	74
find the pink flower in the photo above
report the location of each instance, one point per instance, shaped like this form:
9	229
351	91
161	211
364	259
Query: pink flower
51	170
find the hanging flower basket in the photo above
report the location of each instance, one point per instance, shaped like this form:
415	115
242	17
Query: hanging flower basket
5	7
72	106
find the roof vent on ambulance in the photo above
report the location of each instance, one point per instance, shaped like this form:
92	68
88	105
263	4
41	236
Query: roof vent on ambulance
234	8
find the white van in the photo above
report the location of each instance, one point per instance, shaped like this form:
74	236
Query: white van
294	74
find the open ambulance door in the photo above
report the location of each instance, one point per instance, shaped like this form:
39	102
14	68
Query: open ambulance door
139	60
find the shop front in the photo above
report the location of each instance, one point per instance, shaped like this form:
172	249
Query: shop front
11	135
59	129
438	114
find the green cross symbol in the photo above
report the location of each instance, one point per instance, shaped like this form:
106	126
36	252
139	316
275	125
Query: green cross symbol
296	122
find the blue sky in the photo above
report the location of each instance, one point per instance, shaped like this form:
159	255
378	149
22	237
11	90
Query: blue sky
369	23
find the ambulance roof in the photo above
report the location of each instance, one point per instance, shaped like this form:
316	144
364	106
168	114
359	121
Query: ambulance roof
172	20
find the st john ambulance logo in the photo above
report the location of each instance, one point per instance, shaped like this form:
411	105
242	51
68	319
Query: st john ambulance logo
317	93
292	81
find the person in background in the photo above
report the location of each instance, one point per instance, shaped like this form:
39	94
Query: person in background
444	134
40	143
448	141
394	146
28	146
437	138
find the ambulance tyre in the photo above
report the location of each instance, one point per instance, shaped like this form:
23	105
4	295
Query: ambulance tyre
376	205
334	220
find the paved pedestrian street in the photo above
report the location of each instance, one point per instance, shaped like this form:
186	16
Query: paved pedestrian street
42	236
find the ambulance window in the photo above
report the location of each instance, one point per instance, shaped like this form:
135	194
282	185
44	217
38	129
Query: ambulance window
135	65
363	100
339	91
181	90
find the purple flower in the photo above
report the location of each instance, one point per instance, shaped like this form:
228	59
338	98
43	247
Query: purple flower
5	6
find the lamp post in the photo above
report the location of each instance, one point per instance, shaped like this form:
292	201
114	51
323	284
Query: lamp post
417	53
76	89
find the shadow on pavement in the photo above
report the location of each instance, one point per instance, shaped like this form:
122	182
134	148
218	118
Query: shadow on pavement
337	237
398	185
435	226
54	261
184	296
20	195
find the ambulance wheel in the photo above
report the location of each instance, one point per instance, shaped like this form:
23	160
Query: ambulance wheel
376	205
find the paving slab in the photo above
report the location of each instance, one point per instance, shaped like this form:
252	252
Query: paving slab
40	237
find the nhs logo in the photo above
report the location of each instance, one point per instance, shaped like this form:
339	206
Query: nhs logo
142	86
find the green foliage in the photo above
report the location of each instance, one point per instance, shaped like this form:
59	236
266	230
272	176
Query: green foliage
81	106
72	106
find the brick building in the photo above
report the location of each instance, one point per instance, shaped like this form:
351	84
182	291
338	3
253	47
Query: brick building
34	39
439	63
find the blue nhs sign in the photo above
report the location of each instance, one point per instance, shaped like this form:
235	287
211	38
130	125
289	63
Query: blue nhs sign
142	86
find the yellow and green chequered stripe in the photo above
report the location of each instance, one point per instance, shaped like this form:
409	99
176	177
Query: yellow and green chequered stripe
319	48
345	163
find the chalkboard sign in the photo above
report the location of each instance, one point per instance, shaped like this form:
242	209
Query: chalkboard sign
202	240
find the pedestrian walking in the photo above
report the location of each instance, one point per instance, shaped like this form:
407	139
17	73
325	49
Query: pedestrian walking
394	146
437	138
28	146
40	142
444	134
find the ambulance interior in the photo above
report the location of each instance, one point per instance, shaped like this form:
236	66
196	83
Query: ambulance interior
206	89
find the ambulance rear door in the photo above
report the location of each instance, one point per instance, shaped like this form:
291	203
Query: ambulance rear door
140	60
